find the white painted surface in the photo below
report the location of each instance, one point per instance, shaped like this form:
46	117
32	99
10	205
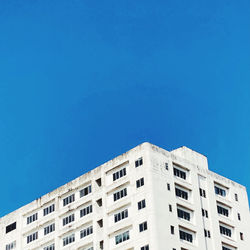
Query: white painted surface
157	214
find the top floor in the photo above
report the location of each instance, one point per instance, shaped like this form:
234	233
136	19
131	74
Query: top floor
103	176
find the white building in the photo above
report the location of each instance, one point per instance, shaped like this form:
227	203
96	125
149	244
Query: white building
147	198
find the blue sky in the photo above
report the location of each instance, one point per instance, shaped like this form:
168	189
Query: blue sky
84	81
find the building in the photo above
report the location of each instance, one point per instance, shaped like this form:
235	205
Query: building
147	198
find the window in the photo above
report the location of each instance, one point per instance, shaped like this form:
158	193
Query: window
140	182
50	247
99	202
225	231
11	227
236	197
69	239
204	213
49	229
68	199
138	162
141	204
228	248
68	219
117	175
166	166
183	214
10	246
172	229
32	237
168	185
121	215
32	218
207	233
143	226
85	191
202	193
170	208
101	245
220	191
186	236
121	237
145	247
100	222
222	210
49	209
85	232
241	236
85	211
239	216
99	182
120	194
180	173
181	193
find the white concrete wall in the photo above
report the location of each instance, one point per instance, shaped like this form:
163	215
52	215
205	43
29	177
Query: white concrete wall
157	214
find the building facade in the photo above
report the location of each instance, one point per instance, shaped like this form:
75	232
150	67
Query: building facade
147	198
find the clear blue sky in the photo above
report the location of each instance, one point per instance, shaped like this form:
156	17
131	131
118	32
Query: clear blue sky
84	81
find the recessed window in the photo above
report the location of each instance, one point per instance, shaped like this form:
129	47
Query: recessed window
236	197
172	229
32	237
121	237
141	204
68	199
69	239
86	210
179	173
101	246
68	219
119	174
228	248
222	210
121	215
145	247
186	236
204	213
241	236
50	247
143	226
138	162
220	191
183	214
181	193
86	231
11	227
140	182
239	216
10	246
120	194
99	182
170	208
32	218
85	191
100	223
99	202
168	185
202	193
225	231
49	229
166	166
49	209
207	233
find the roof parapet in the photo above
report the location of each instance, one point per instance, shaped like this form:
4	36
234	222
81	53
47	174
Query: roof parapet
191	155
